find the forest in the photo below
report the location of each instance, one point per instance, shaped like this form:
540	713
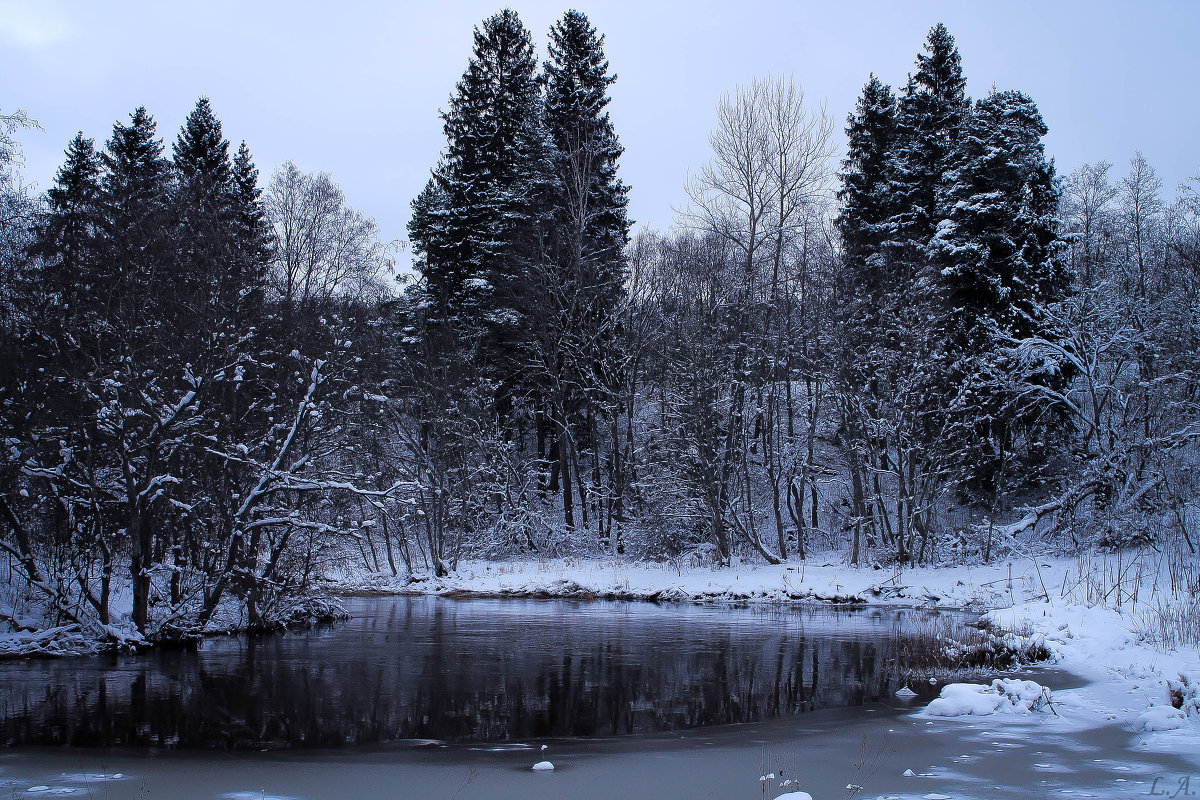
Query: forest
919	346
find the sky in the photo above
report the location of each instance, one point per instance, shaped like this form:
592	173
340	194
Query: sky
354	88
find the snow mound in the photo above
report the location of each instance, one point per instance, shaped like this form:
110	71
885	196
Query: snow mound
65	640
1003	696
543	766
795	796
906	693
1161	718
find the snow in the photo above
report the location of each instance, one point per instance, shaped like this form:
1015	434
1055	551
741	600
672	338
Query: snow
795	796
1003	696
543	766
826	581
64	640
1161	718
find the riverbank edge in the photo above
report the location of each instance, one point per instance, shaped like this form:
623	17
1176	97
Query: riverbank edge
1127	680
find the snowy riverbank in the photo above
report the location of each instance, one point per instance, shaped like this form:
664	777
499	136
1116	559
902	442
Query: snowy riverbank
1145	687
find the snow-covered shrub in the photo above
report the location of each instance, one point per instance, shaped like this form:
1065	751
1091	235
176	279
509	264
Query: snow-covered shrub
1003	696
1185	694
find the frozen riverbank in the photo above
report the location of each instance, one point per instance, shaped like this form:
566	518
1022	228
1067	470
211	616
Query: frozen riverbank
1001	584
1131	683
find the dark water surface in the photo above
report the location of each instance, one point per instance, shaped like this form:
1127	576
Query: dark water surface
469	671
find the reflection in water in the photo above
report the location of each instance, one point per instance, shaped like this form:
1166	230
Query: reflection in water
464	671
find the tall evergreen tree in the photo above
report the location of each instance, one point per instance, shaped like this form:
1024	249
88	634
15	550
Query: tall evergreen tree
867	292
930	116
254	238
998	244
135	226
66	242
70	227
1002	262
139	295
204	216
590	200
901	416
582	285
473	241
866	199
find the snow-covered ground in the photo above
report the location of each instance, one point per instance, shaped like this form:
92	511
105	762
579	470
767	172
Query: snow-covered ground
1000	584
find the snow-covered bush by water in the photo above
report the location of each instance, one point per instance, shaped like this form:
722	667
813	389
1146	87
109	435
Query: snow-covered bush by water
1003	696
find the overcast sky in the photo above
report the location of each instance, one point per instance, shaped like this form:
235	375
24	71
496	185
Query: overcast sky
354	88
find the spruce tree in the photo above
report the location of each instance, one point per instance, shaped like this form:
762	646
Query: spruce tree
472	242
866	199
204	216
998	245
253	230
135	227
590	200
929	119
1002	261
66	239
582	286
142	352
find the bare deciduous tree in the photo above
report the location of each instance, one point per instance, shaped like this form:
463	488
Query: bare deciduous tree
324	248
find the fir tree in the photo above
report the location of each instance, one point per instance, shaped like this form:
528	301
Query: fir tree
254	238
204	214
866	202
135	224
201	155
929	118
590	199
473	240
1002	262
998	245
66	240
582	285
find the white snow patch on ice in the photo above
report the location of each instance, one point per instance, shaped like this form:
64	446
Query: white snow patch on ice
1161	718
1003	696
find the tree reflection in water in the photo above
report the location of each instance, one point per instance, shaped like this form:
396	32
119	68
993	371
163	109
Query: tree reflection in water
466	671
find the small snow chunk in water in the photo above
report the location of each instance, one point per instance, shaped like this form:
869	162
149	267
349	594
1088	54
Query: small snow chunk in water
908	773
795	796
543	766
906	693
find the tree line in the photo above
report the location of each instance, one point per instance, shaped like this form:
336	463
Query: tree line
214	397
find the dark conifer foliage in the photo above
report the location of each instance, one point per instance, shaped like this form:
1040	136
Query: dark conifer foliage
583	284
1001	257
930	115
254	241
475	239
135	204
590	199
866	197
70	228
999	245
